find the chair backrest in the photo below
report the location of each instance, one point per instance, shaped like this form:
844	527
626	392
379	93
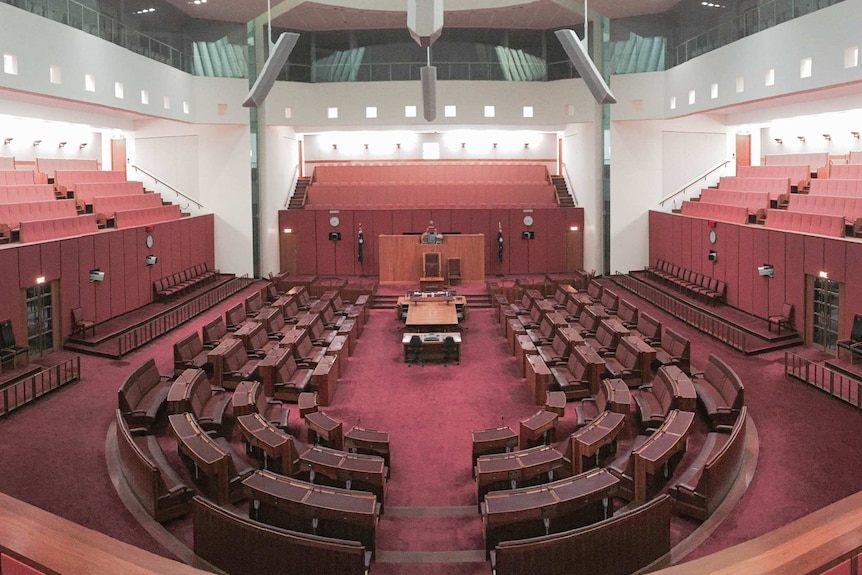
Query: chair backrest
415	341
431	264
787	312
77	316
856	331
449	342
454	265
7	335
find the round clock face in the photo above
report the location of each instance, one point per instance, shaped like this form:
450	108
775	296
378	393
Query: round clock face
149	240
528	220
712	236
334	221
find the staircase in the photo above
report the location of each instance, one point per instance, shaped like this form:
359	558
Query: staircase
297	200
562	190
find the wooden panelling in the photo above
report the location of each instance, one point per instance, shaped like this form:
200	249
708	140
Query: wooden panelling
834	256
345	248
401	256
29	265
50	255
759	284
813	250
70	289
134	267
776	284
118	265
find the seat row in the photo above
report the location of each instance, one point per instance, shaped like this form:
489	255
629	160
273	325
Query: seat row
431	173
848	207
755	202
321	196
777	188
800	175
181	282
17	193
691	283
820	224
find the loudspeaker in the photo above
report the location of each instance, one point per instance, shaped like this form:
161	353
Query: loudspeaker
97	275
585	67
151	260
273	65
429	92
525	235
766	270
335	236
713	256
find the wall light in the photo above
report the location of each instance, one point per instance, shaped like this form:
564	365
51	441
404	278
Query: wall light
82	145
801	138
778	140
827	137
40	280
526	144
288	230
36	142
334	146
7	141
573	228
62	145
855	134
824	275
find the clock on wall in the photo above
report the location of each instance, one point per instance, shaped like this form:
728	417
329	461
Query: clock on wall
334	221
712	236
149	240
528	220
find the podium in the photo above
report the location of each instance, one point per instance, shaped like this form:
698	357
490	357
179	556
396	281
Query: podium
402	257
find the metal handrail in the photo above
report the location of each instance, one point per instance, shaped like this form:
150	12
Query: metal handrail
167	185
291	189
27	390
569	184
694	181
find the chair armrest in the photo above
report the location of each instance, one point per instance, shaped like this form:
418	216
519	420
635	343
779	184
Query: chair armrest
589	399
216	390
646	387
687	488
724	409
723	428
138	431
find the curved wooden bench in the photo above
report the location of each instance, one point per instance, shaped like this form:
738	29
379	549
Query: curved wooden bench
143	394
706	482
720	391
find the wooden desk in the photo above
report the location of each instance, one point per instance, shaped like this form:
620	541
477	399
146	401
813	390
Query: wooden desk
300	506
588	440
322	427
430	283
208	457
431	315
325	378
350	470
524	346
400	256
656	451
572	336
682	388
551	508
539	378
243	399
307	403
647	356
279	449
618	396
495	440
432	344
555	402
178	394
369	442
540	425
507	470
290	338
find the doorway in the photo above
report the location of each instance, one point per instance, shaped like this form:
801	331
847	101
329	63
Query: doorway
40	318
825	313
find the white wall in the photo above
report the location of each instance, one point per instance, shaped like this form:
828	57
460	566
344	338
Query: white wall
579	157
276	175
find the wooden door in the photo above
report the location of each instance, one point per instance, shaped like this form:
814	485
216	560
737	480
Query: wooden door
118	154
743	150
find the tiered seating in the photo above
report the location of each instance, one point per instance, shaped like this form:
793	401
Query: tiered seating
694	284
806	223
105	207
12	214
11	194
848	207
40	230
401	196
755	202
720	212
206	403
12	177
87	192
851	171
799	176
46	167
834	187
720	391
818	161
66	181
146	216
777	188
855	157
7	163
431	173
180	282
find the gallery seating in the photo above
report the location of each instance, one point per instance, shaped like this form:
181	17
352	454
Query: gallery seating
719	391
755	202
848	207
90	192
691	283
105	207
799	175
183	281
189	353
719	212
851	171
152	479
705	483
146	216
674	349
11	215
648	525
269	549
836	187
62	227
46	168
142	396
777	188
817	161
852	346
9	177
610	301
819	224
66	180
19	193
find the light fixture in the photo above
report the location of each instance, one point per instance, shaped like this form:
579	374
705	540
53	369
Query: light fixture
36	142
801	138
7	141
398	146
823	275
62	145
855	134
463	144
573	228
495	145
288	230
151	260
366	146
40	280
334	146
82	145
778	140
827	137
526	144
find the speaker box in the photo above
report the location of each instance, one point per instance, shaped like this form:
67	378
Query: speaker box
273	65
525	235
335	236
713	256
428	74
584	65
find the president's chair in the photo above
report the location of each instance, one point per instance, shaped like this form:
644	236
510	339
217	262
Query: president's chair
431	265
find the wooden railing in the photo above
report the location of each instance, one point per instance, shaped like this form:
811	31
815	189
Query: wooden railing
139	335
703	321
20	393
836	384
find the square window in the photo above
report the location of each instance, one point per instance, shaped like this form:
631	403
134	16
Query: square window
673	103
288	112
145	97
450	111
186	108
851	57
740	84
166	102
370	111
805	68
55	75
713	91
691	97
119	90
490	111
332	113
528	112
769	79
89	82
10	64
430	151
409	111
570	109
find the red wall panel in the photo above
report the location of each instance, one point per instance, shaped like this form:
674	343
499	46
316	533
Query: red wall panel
746	261
685	243
185	244
460	221
414	221
728	235
29	265
442	220
345	248
759	284
11	302
814	260
834	256
135	267
481	222
104	289
307	242
794	276
118	272
325	247
369	254
87	256
777	284
852	295
70	285
50	253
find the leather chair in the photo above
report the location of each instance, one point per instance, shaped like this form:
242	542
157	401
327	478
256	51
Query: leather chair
450	350
8	345
454	270
431	265
414	350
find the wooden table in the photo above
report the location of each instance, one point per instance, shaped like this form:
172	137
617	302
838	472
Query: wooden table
656	451
540	425
494	440
350	470
369	442
539	378
555	402
507	470
432	344
588	440
208	457
431	315
322	427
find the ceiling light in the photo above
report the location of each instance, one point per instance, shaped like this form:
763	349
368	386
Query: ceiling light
855	134
801	138
7	141
827	136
